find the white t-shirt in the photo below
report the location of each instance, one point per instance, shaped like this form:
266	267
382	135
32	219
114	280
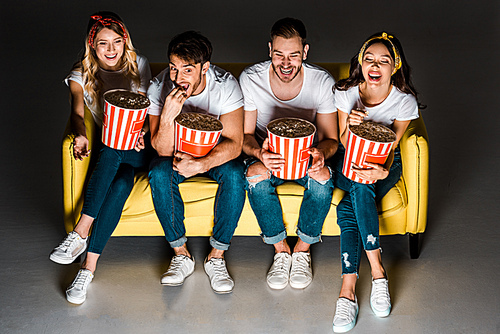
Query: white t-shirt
97	111
221	95
316	96
397	106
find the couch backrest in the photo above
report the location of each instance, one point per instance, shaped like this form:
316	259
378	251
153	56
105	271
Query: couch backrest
338	70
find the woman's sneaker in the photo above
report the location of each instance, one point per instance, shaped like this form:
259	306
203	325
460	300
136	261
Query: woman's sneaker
72	246
380	300
76	293
345	315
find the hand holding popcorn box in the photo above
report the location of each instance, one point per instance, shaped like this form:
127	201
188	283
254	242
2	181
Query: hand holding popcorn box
292	138
124	115
367	142
196	134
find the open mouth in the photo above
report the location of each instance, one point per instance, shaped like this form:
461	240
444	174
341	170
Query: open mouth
111	57
374	76
286	71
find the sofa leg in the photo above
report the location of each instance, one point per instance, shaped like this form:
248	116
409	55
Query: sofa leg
414	245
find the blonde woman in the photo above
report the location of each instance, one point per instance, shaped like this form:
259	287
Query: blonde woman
109	62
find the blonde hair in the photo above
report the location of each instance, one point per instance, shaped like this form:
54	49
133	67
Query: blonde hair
89	64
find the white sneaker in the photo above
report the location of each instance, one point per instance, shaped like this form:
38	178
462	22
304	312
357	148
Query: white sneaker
279	273
76	293
380	300
301	274
180	267
220	281
345	315
69	249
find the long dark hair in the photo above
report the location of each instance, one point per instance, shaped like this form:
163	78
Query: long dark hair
401	79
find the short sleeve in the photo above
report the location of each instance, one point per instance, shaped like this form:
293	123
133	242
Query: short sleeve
233	98
342	102
327	98
408	108
144	73
249	103
75	76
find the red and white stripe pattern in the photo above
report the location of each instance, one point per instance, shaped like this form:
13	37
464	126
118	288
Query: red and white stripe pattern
359	151
295	151
121	127
195	142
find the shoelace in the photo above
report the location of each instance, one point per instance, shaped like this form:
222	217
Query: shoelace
343	308
176	263
81	279
300	265
68	241
381	291
219	269
279	266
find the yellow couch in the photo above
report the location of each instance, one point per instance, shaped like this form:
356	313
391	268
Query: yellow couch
402	211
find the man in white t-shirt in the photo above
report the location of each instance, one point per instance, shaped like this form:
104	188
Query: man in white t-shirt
285	86
192	84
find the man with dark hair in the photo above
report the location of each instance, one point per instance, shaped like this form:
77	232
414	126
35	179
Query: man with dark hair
192	84
286	86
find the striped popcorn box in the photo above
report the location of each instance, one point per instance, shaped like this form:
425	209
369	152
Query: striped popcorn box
195	142
295	151
122	126
359	151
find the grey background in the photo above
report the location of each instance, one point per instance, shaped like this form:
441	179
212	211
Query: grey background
453	49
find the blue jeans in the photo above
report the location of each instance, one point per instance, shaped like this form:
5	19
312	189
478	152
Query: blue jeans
267	207
357	214
169	205
112	208
104	173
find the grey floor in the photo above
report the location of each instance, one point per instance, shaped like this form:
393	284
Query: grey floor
451	288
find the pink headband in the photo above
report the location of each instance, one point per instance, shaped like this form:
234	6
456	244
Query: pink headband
105	22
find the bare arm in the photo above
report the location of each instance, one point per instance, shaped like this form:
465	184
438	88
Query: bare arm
228	149
162	127
271	160
77	121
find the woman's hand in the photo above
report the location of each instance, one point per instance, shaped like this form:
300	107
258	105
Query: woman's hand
374	172
356	117
80	147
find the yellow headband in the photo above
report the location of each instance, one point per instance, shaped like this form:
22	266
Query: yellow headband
397	59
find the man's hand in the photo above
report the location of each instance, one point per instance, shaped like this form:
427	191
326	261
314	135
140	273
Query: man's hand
272	161
318	161
80	147
173	103
140	142
186	165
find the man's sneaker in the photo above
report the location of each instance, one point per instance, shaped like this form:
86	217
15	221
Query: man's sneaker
380	300
220	281
180	267
345	315
76	293
279	273
301	274
69	249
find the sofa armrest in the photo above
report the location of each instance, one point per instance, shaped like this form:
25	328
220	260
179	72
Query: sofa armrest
75	173
414	147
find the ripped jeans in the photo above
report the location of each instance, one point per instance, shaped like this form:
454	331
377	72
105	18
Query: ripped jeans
357	214
267	208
